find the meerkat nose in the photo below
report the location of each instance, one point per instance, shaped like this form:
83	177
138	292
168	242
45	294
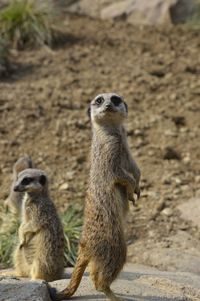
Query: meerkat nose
16	188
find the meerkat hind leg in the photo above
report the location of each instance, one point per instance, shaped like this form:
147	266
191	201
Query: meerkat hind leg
8	273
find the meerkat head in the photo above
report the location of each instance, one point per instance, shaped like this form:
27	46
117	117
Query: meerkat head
22	163
31	181
108	108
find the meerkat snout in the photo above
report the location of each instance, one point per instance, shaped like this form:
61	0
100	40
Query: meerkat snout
108	106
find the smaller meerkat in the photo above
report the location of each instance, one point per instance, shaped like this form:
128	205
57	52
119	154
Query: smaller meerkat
114	179
40	252
14	200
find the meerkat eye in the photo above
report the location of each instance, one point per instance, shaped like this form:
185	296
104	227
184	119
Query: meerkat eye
99	100
42	180
116	100
26	181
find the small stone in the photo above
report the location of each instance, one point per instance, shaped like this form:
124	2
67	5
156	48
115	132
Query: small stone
185	187
178	181
170	133
64	186
151	153
70	175
184	130
186	160
138	132
167	211
197	179
176	191
166	181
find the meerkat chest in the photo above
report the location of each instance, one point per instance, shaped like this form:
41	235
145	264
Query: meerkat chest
27	210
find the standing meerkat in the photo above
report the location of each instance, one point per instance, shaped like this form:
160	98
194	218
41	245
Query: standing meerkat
14	200
40	252
114	178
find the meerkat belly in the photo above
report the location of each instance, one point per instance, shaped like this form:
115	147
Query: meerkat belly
31	249
103	217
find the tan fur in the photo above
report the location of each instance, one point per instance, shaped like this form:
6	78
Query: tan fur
40	252
14	200
114	178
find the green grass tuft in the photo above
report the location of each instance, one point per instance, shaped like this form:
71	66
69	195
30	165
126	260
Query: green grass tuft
9	225
28	23
72	223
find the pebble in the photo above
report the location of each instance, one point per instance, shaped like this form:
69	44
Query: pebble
197	179
138	132
177	191
178	181
167	211
170	133
64	186
185	187
186	160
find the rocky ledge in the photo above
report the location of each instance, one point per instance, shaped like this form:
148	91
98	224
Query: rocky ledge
136	283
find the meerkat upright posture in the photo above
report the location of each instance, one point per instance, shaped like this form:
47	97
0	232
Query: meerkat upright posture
14	200
40	252
114	178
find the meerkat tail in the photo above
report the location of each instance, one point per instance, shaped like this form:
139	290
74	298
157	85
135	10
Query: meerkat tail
110	295
77	274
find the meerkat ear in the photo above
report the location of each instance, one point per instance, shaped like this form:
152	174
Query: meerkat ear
126	106
89	112
42	180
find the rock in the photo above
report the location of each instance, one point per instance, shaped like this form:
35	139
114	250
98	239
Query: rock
140	11
170	132
64	186
186	160
13	289
190	210
167	212
136	282
142	283
180	252
150	12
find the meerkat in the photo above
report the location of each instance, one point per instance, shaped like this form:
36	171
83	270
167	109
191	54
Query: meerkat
40	252
14	200
114	178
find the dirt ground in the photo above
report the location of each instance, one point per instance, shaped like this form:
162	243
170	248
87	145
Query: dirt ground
43	113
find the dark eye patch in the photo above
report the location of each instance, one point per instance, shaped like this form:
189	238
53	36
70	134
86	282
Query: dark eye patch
89	112
42	180
27	181
116	100
99	100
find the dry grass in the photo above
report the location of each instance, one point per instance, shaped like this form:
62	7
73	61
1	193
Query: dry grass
28	23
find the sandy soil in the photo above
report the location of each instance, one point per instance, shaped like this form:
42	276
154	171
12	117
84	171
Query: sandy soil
43	113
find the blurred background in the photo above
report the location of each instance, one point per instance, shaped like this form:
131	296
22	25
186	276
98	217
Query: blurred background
55	56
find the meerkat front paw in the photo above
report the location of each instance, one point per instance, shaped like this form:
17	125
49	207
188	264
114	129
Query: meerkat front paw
137	192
